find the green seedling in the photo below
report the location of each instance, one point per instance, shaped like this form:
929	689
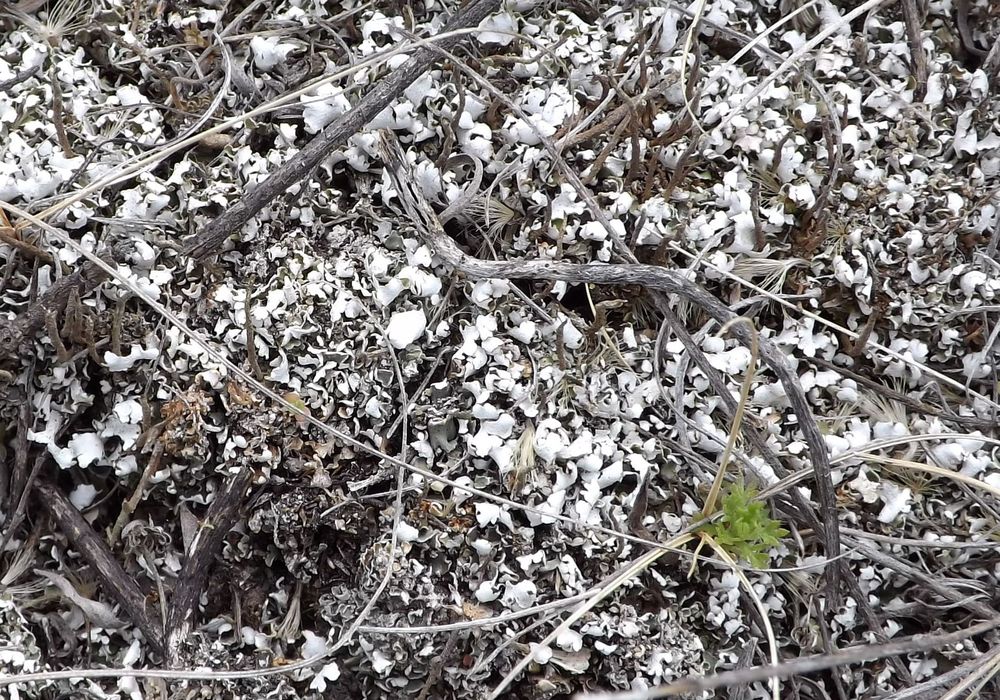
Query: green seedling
745	529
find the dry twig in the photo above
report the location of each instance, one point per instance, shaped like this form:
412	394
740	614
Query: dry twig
808	664
117	582
207	243
648	276
929	689
917	576
918	57
221	516
8	85
971	421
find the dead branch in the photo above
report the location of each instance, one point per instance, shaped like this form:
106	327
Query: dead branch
222	515
226	224
116	581
917	576
875	624
971	421
22	480
962	8
813	221
648	276
827	639
928	690
918	57
8	85
58	115
53	300
742	691
7	237
19	474
820	662
129	506
312	154
22	501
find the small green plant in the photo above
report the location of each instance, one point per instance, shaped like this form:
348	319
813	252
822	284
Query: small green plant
746	528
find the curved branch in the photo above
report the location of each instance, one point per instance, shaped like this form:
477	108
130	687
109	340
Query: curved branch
648	276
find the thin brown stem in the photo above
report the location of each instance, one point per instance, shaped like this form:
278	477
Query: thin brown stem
58	115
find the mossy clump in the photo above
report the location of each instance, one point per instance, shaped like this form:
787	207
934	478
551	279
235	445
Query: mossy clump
746	529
